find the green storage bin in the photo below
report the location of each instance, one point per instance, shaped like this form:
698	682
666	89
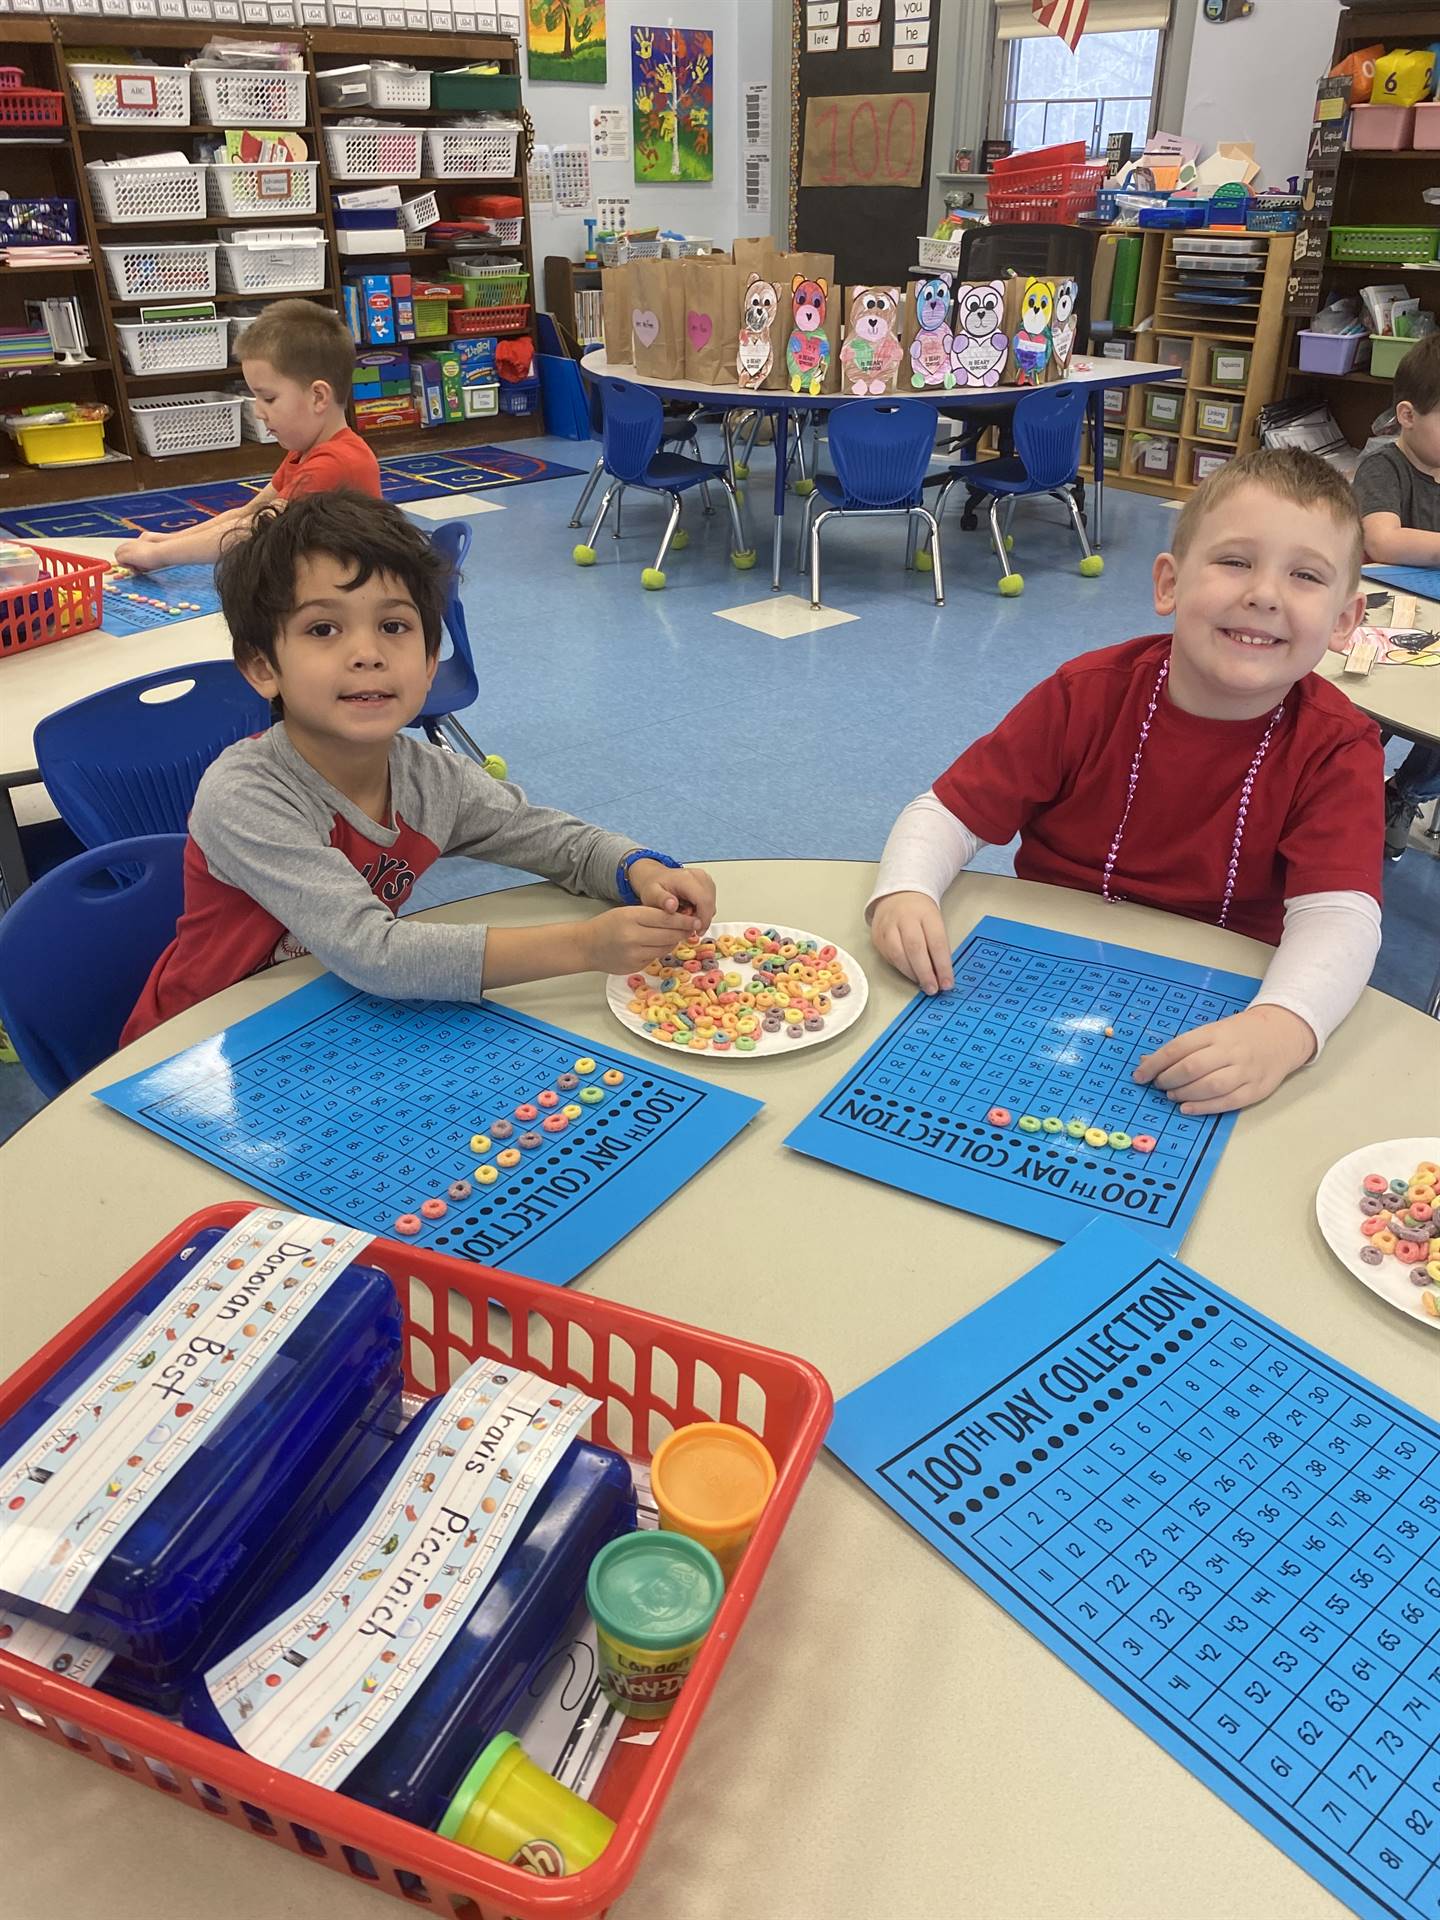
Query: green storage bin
1163	408
1385	244
1229	366
1387	350
497	91
1218	419
432	319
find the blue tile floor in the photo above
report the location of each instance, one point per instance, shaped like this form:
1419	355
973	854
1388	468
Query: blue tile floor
648	713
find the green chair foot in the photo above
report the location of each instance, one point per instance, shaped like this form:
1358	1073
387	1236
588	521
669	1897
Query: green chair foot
1092	565
582	555
741	471
496	765
652	579
924	560
805	487
1009	543
744	561
1012	584
680	541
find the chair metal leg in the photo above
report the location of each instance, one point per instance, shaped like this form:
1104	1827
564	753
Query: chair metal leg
447	732
590	485
1077	521
815	527
610	494
923	513
910	532
802	544
670	525
997	535
738	528
706	507
752	436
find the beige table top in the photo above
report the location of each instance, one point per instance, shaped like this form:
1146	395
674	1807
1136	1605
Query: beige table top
1405	700
885	1744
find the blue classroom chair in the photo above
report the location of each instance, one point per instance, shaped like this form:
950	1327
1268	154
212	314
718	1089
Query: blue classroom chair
456	685
77	947
128	760
681	430
634	431
881	449
1047	426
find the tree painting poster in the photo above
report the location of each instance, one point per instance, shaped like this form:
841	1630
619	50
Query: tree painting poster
672	79
567	40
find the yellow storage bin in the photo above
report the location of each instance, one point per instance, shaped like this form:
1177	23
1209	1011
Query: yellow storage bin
54	445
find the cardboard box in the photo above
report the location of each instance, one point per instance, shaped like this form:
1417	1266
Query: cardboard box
425	386
366	199
350	306
477	359
368	240
377	309
402	294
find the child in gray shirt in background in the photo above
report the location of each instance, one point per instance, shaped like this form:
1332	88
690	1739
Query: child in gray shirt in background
309	837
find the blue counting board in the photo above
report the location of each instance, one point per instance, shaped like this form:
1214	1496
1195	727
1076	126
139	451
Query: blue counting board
126	613
1024	1029
1231	1536
1424	581
356	1109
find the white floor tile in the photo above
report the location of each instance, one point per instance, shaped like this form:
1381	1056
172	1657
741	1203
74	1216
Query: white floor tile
784	616
452	507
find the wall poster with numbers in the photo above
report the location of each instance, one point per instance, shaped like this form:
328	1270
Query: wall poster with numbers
1232	1537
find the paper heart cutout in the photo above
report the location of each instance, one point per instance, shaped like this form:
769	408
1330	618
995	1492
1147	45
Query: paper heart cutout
699	327
646	324
183	1408
431	1600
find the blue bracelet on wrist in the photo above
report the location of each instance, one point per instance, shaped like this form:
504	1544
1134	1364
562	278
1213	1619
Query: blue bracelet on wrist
622	873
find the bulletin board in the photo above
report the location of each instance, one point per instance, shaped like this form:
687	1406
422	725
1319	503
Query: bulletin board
862	106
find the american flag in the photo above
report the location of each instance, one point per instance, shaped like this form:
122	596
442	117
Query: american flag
1065	17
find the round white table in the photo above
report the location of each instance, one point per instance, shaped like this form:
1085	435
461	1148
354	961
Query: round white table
885	1743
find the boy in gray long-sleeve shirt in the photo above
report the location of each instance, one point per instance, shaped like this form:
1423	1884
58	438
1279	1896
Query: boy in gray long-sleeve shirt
307	838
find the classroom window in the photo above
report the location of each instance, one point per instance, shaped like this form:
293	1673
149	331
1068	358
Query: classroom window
1044	94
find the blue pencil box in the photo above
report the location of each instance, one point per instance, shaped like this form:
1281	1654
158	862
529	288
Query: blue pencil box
474	1689
305	1430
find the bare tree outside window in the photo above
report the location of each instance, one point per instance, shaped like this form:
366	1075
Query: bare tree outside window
1108	86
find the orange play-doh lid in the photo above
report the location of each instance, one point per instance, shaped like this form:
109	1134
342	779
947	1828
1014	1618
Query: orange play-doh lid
712	1476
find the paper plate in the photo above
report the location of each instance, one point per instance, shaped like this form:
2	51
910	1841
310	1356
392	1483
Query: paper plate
1337	1208
844	1013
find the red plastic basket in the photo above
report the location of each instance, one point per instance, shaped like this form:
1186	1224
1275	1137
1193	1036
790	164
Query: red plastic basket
67	599
455	1311
1068	153
468	320
1059	193
30	107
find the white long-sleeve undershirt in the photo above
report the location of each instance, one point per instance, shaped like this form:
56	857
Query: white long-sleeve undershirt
1327	946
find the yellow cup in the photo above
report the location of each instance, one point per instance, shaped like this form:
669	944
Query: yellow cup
510	1809
711	1483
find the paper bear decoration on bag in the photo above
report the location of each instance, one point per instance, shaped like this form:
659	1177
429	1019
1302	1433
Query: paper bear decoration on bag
979	349
930	349
756	355
1062	326
1032	337
807	352
870	353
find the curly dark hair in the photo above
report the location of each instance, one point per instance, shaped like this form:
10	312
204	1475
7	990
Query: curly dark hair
255	575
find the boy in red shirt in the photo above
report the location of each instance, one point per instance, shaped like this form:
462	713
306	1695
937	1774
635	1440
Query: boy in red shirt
298	360
1210	773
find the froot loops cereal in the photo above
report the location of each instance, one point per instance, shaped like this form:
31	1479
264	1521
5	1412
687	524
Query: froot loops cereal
757	989
1398	1222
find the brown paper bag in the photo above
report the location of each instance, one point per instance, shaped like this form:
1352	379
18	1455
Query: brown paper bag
926	334
712	321
753	254
870	348
1063	325
810	310
980	349
760	342
1029	311
616	302
657	318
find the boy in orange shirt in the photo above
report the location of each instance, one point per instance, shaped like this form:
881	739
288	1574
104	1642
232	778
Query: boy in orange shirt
298	360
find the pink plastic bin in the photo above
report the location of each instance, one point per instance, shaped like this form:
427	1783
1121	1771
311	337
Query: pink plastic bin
1382	129
1329	352
1427	126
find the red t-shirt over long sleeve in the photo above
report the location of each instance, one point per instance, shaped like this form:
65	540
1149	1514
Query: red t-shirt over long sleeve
343	460
1057	768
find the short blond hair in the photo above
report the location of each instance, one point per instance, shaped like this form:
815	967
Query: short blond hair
303	342
1303	478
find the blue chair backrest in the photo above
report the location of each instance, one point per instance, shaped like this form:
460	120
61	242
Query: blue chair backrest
118	763
1048	424
77	947
634	427
456	685
881	449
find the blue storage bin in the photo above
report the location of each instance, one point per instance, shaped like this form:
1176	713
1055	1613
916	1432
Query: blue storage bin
562	391
520	396
303	1433
1177	215
366	219
474	1690
39	223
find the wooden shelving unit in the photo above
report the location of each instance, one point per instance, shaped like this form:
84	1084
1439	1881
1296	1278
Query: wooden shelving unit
1373	189
42	166
1256	326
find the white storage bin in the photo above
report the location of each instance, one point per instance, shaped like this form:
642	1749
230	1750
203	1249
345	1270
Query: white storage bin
251	99
146	270
420	213
289	260
238	323
187	423
937	256
247	190
375	153
173	346
508	234
132	96
252	427
471	153
387	88
147	193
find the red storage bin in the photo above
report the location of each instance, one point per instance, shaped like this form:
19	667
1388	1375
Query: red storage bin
1049	183
455	1311
471	320
30	107
67	599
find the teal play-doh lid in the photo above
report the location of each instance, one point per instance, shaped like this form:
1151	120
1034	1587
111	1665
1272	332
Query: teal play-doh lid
654	1590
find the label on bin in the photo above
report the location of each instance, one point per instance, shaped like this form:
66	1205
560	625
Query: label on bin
53	1649
78	1484
312	1692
